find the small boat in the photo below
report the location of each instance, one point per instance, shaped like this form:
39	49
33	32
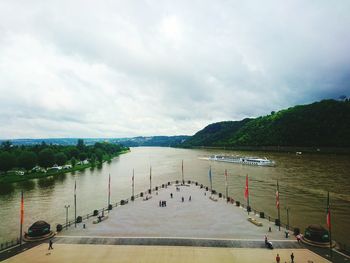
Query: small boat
242	160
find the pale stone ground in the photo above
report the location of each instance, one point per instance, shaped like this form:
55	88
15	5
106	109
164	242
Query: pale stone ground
200	218
154	254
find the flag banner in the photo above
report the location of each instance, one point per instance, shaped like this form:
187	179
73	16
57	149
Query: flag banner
109	185
246	192
22	208
209	174
328	216
278	196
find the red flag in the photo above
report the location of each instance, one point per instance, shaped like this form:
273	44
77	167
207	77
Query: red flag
277	199
328	213
246	192
22	208
277	196
109	185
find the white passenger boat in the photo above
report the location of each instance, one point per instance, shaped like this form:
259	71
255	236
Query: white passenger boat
242	160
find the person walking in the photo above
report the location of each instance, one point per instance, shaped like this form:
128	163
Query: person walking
190	198
183	199
50	244
292	257
278	259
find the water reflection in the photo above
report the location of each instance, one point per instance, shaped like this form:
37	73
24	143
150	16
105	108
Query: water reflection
26	185
46	182
6	189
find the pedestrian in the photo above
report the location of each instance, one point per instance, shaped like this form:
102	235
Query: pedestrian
265	239
278	259
292	257
160	203
287	234
183	199
50	244
269	229
171	195
298	238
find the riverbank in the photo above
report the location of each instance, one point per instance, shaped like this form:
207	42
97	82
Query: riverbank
15	178
286	149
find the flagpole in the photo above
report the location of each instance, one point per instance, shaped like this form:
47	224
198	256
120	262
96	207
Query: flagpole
278	207
183	178
211	181
75	203
226	185
150	179
329	225
246	193
21	220
109	191
133	184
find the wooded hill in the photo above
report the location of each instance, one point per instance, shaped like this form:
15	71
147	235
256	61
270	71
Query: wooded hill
320	124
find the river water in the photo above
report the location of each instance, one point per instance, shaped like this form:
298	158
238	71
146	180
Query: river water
304	181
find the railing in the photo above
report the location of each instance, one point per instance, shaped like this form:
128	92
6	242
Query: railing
8	244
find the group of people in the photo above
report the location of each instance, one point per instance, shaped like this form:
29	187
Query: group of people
183	199
162	203
278	258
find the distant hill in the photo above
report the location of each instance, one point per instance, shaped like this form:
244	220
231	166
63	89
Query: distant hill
320	124
128	142
164	141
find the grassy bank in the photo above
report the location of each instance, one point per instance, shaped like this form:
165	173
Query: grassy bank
14	178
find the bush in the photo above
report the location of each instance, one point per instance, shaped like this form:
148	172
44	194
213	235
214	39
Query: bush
110	207
262	215
79	219
238	203
95	213
59	228
122	202
141	194
249	209
220	195
132	198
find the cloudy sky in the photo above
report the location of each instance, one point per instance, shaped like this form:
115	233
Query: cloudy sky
126	68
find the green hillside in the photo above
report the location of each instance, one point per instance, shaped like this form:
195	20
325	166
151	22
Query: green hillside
320	124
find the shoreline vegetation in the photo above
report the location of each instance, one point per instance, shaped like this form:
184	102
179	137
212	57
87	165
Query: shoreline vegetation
320	127
22	163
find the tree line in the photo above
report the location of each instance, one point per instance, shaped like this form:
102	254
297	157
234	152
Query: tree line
320	124
47	155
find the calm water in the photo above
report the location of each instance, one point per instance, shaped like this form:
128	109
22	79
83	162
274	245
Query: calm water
304	182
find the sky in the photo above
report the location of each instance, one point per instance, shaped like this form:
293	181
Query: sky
141	67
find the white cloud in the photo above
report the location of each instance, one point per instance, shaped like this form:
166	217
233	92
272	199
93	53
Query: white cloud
116	69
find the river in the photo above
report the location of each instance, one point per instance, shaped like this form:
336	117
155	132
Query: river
304	181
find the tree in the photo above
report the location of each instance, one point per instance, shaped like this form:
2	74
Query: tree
7	161
81	145
6	145
60	158
99	155
82	156
46	158
73	161
27	160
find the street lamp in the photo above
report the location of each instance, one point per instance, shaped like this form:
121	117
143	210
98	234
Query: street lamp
66	207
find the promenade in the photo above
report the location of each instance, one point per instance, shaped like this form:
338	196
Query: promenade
196	230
